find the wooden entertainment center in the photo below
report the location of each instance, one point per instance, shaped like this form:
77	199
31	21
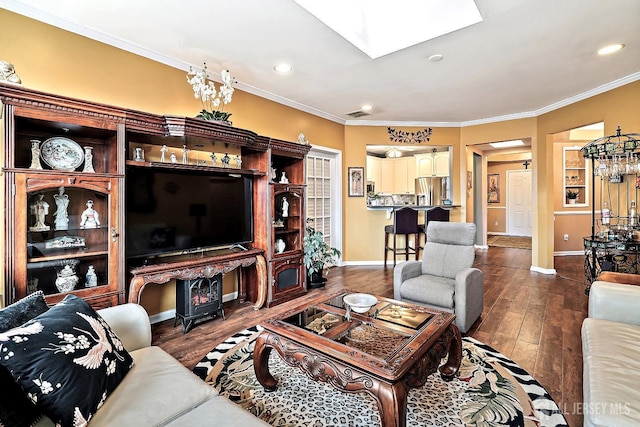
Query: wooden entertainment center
65	159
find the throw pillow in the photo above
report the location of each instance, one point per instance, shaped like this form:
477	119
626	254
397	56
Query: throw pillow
15	408
67	360
22	311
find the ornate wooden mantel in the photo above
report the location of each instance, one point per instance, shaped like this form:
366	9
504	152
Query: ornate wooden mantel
206	266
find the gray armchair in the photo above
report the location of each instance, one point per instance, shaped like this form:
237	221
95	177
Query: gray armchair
444	279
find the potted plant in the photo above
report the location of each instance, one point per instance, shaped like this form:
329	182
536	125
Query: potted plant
318	256
572	195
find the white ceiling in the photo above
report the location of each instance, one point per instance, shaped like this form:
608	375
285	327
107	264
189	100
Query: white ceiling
525	58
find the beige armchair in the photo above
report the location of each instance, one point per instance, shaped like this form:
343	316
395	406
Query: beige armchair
444	279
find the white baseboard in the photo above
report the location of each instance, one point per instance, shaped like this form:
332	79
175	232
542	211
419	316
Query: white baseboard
481	246
161	317
543	270
171	314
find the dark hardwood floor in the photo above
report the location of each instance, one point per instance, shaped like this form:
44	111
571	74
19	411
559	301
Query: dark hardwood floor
532	318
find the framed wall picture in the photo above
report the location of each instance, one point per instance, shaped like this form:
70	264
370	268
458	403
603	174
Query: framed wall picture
356	182
469	180
493	188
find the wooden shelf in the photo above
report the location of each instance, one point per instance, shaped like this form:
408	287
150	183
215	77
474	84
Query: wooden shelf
208	169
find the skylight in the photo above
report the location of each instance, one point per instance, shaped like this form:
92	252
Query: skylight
507	144
380	27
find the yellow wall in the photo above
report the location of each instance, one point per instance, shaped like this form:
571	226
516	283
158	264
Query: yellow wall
59	62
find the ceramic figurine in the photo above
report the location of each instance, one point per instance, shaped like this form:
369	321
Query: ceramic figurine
185	160
226	160
173	157
163	150
302	139
214	159
274	174
88	160
285	207
90	218
61	216
40	209
35	155
92	278
284	179
280	246
238	161
8	73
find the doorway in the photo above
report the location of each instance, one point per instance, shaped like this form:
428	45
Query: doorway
478	199
324	194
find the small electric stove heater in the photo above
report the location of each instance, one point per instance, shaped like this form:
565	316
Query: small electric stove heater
198	300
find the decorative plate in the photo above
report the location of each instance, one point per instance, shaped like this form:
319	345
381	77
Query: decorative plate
62	153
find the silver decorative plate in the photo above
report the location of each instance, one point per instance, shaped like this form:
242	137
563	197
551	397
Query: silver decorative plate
62	153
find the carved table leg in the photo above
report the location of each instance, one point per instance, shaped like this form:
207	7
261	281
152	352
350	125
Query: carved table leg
261	354
135	289
449	370
392	404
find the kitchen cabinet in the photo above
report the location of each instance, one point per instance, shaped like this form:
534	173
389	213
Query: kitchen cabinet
374	172
387	173
434	164
404	175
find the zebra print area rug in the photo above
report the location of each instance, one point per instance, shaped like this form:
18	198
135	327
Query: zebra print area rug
491	390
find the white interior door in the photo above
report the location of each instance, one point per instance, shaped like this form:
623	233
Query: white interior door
519	196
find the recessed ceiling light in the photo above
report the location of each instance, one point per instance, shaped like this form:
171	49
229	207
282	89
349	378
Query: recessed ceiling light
610	49
283	68
507	144
366	107
435	58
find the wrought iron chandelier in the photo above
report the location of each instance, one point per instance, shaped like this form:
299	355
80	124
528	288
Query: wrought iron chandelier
405	137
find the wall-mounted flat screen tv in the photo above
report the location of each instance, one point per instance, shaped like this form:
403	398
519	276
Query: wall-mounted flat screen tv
178	211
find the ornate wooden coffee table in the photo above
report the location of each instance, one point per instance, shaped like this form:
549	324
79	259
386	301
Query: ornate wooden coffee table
393	347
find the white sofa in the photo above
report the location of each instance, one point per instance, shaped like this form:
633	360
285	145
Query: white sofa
159	390
611	356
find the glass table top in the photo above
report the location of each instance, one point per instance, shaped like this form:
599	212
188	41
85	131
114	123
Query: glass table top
380	332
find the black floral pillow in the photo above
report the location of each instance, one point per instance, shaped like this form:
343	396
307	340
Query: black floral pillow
67	360
15	409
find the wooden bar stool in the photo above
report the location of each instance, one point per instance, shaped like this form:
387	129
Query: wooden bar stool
435	214
405	222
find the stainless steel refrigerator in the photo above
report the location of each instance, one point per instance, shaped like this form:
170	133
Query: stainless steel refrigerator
433	191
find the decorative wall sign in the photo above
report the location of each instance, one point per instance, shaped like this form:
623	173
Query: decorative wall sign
405	137
356	182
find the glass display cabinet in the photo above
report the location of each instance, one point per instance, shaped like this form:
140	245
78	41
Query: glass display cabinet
287	190
63	175
614	243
